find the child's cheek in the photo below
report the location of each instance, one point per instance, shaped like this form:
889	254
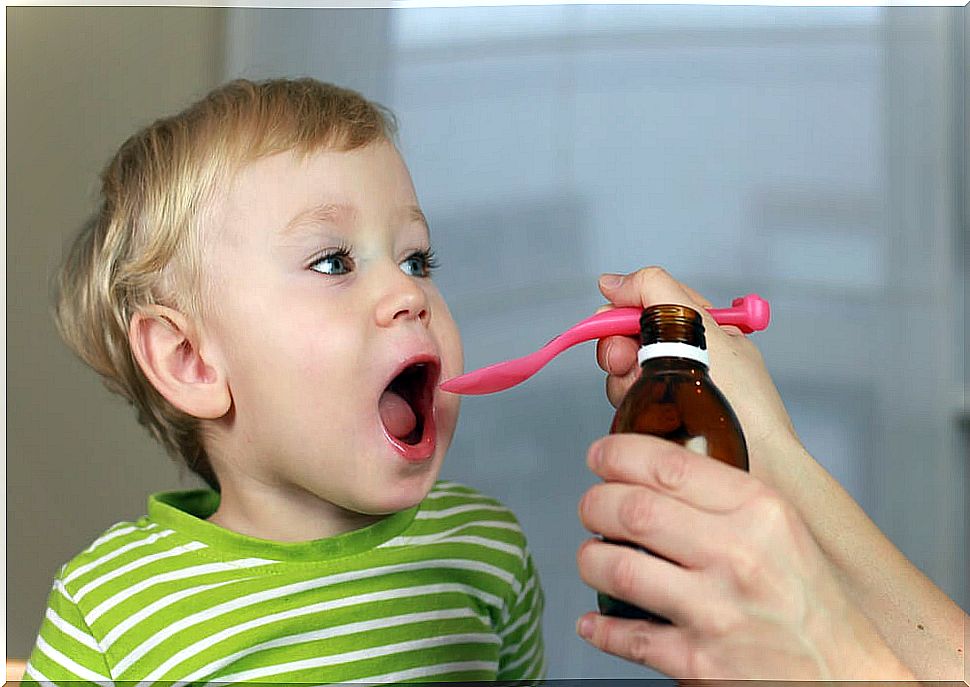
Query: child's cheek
449	340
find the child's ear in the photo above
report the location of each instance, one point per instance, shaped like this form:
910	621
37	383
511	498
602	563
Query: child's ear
166	348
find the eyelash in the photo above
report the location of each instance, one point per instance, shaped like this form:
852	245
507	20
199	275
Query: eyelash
427	257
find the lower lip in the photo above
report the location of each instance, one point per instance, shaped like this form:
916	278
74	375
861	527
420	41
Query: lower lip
421	451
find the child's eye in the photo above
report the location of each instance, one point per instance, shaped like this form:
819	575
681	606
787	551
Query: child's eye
420	263
334	263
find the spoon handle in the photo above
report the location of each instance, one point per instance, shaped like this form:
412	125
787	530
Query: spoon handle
749	314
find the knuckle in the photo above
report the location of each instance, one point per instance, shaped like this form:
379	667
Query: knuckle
639	647
637	513
608	461
746	569
772	514
604	635
652	273
716	623
671	470
624	575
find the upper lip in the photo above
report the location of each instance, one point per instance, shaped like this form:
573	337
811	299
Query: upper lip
416	359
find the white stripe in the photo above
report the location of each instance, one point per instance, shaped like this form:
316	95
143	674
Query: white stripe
443	493
194	571
514	626
427	671
526	637
455	510
522	659
114	554
370	597
529	586
537	669
78	635
121	628
134	565
437	537
425	539
59	586
360	654
298	587
71	665
39	677
328	633
456	485
113	533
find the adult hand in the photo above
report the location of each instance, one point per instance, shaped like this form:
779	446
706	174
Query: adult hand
736	365
749	592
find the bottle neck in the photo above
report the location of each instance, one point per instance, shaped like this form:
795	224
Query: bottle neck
668	349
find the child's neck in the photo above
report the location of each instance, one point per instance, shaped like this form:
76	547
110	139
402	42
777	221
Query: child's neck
283	516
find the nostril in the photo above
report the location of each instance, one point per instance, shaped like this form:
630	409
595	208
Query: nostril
405	302
416	313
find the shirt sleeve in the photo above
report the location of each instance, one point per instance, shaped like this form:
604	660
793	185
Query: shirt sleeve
522	656
66	649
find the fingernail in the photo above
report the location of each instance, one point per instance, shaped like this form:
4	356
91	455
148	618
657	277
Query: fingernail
609	349
584	627
611	281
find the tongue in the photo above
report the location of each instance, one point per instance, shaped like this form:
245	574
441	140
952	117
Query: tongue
396	414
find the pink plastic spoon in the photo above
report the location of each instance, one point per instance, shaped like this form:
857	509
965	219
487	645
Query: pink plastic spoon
749	314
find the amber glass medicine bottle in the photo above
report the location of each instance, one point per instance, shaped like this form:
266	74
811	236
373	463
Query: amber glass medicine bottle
675	399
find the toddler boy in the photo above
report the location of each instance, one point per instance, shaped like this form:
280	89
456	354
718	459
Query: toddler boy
257	284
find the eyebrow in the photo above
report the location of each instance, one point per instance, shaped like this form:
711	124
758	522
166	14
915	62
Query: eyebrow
337	212
325	212
417	215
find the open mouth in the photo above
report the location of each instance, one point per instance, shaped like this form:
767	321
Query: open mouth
406	406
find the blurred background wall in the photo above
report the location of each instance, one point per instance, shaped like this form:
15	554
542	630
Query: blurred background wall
79	82
815	156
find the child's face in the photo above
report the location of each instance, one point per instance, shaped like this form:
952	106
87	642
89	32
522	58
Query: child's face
319	298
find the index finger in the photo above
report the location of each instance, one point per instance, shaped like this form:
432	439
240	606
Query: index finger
669	468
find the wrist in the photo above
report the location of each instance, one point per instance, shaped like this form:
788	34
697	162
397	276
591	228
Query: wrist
778	457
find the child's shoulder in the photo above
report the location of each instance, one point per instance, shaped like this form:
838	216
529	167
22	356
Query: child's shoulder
113	543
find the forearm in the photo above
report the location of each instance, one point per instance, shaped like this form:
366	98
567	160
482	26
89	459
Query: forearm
923	626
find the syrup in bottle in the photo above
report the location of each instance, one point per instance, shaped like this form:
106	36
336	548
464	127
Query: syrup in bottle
675	399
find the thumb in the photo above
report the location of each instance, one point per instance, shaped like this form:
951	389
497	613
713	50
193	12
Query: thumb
648	286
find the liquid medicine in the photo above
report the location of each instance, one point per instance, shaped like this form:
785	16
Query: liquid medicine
675	399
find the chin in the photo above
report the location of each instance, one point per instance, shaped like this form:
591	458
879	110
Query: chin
401	493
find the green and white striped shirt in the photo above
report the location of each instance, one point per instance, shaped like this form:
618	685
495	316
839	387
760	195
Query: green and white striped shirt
445	591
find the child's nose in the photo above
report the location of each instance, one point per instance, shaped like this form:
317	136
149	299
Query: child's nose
404	299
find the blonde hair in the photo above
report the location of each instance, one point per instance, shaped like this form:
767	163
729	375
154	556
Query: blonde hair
143	246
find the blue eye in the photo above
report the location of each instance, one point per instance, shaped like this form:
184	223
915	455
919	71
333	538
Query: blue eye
336	263
420	263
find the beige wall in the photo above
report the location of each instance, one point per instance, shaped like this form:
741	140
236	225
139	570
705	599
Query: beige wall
79	81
